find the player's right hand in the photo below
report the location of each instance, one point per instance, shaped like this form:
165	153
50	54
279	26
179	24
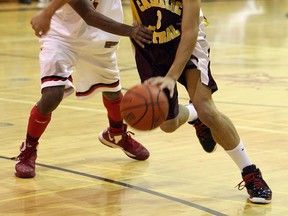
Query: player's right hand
141	34
41	23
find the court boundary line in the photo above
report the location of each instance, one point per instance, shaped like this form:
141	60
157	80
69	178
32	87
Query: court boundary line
138	188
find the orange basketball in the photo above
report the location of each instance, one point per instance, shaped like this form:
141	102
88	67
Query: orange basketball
144	107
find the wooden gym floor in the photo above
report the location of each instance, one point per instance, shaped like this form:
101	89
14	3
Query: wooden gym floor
76	175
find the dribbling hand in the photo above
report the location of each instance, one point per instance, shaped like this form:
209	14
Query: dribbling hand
163	82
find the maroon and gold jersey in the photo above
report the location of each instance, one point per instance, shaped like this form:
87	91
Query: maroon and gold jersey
161	16
164	18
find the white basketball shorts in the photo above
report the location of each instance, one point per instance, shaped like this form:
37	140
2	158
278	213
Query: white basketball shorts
93	69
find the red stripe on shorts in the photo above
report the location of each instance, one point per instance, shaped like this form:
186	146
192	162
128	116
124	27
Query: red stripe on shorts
55	78
97	86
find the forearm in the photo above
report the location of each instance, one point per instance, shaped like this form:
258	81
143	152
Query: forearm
104	23
189	34
87	12
182	56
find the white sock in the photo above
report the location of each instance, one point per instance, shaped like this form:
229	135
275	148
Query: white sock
192	113
240	156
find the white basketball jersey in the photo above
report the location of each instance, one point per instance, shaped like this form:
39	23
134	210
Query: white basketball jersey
67	25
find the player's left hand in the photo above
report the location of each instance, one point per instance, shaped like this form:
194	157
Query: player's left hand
41	23
141	34
163	82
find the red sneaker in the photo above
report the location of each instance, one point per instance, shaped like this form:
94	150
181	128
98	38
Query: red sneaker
25	165
124	141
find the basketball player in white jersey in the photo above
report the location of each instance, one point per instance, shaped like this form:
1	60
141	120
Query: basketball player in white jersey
72	44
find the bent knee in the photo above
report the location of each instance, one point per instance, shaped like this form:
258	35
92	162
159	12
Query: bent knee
168	127
51	98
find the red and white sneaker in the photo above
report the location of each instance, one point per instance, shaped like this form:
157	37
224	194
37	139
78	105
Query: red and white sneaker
26	160
124	141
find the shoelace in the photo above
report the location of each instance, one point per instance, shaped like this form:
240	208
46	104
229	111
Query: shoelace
23	155
128	136
252	177
129	132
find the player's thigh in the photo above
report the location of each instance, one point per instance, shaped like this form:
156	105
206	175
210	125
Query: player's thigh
199	93
56	65
192	78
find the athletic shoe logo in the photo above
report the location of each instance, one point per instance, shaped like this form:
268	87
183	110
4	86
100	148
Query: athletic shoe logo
110	138
24	146
114	139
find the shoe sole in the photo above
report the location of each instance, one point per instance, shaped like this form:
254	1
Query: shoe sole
259	200
214	149
24	175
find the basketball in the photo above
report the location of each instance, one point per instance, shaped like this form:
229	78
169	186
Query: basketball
144	107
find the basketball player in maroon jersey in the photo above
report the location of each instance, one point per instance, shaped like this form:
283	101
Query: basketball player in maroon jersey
180	52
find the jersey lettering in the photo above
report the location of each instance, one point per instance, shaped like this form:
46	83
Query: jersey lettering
159	15
165	36
165	4
163	31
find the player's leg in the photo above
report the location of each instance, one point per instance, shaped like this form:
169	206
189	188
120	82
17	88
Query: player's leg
202	131
201	98
225	134
100	73
54	82
39	119
200	61
186	114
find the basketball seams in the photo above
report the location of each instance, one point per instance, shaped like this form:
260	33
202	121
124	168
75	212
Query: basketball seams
151	106
138	106
135	106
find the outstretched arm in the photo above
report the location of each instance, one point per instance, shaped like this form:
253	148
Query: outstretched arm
86	10
41	21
